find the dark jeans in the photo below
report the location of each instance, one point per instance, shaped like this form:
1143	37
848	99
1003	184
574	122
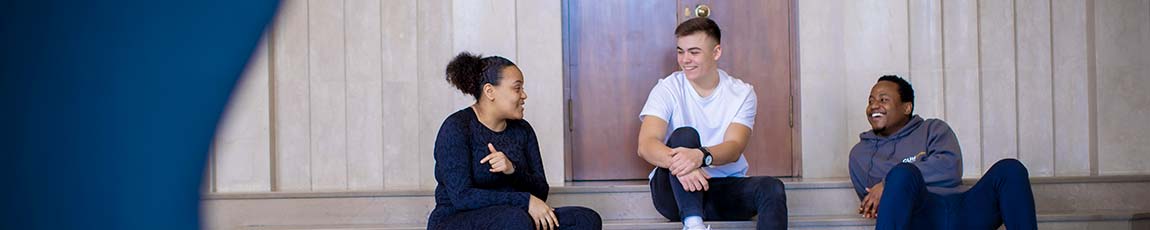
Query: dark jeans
1003	195
729	198
512	218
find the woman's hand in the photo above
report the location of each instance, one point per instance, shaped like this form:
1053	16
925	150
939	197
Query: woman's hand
498	160
543	214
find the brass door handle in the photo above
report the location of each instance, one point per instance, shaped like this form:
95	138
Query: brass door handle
702	11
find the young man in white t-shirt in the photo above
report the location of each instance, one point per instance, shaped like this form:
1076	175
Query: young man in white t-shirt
700	172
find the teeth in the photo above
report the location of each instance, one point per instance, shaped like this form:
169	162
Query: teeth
875	115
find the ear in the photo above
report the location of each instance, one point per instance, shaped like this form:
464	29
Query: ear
909	106
489	91
718	51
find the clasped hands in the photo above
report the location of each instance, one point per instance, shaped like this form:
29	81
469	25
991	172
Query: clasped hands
869	206
685	164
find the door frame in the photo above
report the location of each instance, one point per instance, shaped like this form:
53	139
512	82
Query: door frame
795	116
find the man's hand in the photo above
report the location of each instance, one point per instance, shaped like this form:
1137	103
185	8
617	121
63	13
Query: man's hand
498	160
683	160
695	180
542	213
869	207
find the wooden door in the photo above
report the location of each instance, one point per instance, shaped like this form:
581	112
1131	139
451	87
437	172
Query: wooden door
617	50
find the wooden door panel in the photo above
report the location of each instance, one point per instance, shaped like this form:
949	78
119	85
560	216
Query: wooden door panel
617	51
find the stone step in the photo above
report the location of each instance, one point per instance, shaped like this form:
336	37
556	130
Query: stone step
1081	220
623	201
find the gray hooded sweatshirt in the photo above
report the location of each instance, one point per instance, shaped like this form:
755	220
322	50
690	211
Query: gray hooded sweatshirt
928	144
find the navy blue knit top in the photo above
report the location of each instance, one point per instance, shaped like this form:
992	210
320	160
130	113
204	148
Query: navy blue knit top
465	184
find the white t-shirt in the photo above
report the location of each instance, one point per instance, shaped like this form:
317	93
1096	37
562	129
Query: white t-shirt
674	100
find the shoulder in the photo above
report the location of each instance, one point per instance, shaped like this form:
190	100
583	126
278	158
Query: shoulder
455	133
935	124
865	139
669	88
457	121
857	148
736	85
521	124
671	82
522	128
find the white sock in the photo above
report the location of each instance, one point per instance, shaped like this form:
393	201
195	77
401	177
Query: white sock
692	221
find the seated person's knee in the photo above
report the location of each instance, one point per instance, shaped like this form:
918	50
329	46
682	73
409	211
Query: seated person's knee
685	132
514	217
1011	167
581	216
684	137
772	187
901	173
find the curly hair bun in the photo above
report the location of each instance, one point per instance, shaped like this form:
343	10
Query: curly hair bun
465	73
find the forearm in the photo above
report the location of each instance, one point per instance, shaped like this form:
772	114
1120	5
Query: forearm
942	163
726	152
655	153
534	184
857	183
474	198
734	141
532	179
453	173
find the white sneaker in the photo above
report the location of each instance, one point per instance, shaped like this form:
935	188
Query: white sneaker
697	227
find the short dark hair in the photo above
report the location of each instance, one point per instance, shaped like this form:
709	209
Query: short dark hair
469	72
699	24
905	91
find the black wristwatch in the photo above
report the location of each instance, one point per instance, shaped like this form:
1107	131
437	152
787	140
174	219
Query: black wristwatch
706	157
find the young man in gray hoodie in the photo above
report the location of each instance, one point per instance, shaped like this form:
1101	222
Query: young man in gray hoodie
907	172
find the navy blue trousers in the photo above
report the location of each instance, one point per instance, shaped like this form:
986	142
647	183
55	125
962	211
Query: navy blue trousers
512	218
729	198
1002	196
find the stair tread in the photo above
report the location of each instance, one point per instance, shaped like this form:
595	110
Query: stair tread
638	186
794	221
812	203
1100	215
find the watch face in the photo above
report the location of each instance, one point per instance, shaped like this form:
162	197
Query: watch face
707	160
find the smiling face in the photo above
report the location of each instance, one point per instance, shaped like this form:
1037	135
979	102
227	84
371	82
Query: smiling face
885	110
698	55
508	98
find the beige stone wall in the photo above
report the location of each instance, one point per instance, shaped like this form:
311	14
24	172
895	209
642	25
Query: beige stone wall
1059	84
348	95
1122	32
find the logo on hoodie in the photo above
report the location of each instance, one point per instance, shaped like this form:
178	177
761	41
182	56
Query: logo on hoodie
914	158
